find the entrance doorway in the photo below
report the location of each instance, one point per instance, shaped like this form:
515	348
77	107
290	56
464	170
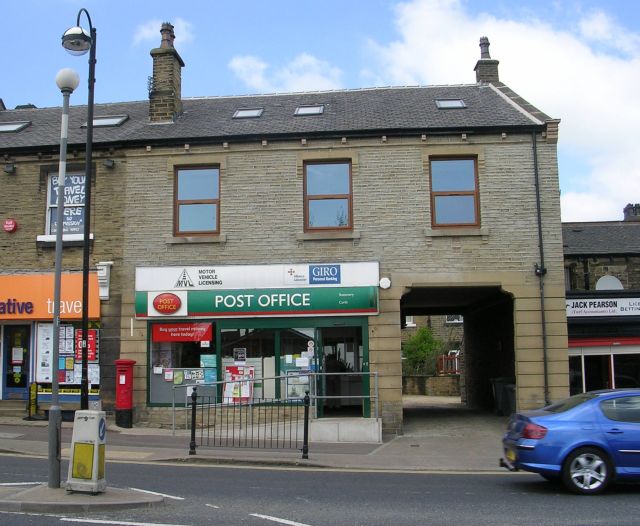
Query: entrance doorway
604	367
342	361
488	351
15	362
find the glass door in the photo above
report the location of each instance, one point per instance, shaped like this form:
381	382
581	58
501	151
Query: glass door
597	372
15	362
342	355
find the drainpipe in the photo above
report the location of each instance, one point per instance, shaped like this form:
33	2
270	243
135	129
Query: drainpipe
540	271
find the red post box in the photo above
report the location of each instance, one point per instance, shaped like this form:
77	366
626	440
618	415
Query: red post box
124	392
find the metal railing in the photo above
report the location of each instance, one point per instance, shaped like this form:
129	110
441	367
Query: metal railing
237	414
322	386
448	364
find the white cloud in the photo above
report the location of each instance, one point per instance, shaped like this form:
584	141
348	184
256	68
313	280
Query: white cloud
304	73
149	32
599	27
251	71
586	76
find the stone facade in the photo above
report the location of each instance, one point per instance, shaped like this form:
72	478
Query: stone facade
262	221
24	198
583	272
509	330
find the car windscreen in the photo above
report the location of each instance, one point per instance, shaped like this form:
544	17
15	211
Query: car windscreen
569	403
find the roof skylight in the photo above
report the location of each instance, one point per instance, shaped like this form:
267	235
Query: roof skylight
107	120
248	113
315	109
448	104
8	127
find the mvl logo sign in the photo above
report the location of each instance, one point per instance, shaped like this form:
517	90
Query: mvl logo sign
184	280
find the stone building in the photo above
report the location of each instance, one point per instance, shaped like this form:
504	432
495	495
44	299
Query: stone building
296	231
602	276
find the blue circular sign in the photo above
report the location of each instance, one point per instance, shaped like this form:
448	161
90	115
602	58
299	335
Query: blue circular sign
102	428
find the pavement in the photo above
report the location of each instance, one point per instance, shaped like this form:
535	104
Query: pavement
439	435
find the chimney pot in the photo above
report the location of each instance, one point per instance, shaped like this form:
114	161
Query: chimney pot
484	47
632	212
486	68
165	91
168	36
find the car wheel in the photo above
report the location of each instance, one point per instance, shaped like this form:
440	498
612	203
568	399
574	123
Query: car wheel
587	470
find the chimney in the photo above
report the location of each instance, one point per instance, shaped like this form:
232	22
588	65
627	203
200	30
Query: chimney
632	212
486	68
165	99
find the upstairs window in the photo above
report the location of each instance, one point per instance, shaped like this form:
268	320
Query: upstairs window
197	201
327	195
316	109
9	127
454	192
107	121
248	113
450	104
73	203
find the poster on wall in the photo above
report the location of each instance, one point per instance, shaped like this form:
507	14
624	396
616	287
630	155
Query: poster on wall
92	345
240	355
238	383
69	366
44	353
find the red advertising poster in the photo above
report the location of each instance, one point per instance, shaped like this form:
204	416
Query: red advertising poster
238	383
92	338
182	332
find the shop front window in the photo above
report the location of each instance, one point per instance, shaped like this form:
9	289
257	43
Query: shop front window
575	375
182	354
250	352
597	372
590	372
627	370
297	353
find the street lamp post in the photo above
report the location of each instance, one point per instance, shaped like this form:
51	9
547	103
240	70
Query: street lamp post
77	42
67	80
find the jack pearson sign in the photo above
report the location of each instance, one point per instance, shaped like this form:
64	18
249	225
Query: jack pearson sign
592	307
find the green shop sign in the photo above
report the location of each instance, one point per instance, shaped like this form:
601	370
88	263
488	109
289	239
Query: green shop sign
262	302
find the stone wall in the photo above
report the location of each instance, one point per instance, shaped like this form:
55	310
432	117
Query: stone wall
431	385
261	222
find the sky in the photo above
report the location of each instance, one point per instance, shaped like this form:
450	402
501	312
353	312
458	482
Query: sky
576	60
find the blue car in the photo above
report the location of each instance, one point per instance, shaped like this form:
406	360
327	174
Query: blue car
587	440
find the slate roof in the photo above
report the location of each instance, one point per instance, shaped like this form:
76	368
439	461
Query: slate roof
346	112
599	238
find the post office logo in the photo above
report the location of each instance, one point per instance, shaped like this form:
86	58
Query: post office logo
184	280
167	303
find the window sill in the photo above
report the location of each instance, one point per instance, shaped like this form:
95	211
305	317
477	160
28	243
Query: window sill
188	240
457	232
68	240
327	236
